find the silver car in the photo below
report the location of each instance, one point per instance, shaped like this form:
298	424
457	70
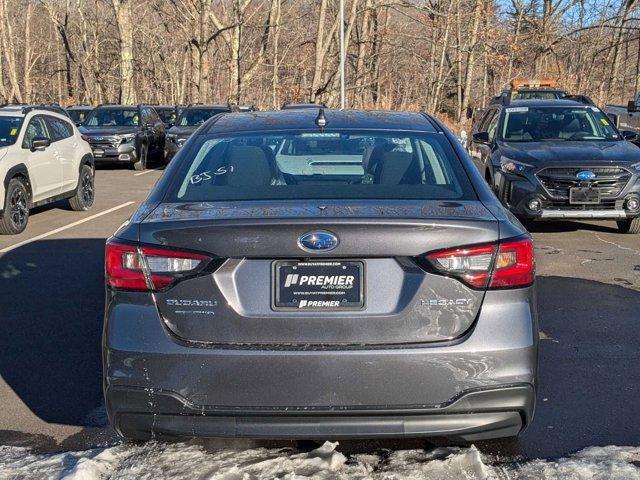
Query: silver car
320	274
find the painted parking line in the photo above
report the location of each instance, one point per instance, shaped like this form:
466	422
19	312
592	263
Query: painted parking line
66	227
147	171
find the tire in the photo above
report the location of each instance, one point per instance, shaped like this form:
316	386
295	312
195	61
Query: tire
86	193
631	225
15	215
142	163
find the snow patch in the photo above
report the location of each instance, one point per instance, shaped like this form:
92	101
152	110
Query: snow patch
154	460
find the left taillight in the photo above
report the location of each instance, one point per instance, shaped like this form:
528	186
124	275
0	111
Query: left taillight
508	264
144	268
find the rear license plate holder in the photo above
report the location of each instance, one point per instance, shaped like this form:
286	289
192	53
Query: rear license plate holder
584	196
318	285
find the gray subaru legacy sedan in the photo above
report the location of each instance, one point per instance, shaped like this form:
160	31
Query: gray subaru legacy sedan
320	274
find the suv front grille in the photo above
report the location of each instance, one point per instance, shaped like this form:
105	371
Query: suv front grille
564	205
104	141
611	181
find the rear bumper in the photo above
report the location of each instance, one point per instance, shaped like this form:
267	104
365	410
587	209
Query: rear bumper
477	415
153	380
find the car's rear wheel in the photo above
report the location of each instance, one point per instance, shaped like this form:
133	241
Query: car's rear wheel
85	195
631	225
141	164
15	215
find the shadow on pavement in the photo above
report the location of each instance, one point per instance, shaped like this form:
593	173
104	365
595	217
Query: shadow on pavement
589	379
51	311
573	226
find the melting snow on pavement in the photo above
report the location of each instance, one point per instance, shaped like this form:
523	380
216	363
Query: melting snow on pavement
185	461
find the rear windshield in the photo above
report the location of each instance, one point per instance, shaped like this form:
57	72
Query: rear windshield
313	165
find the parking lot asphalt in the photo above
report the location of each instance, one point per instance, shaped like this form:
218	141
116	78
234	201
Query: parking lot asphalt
51	308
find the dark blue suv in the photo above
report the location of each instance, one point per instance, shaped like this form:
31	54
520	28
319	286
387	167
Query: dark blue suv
559	159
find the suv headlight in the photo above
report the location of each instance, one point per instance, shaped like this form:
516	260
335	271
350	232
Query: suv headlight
127	137
511	166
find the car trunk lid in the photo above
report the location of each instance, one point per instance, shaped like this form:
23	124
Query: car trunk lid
400	302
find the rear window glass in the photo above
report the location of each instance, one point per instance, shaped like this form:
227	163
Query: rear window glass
314	165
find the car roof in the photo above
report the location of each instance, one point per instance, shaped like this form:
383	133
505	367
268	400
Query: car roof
204	105
120	107
297	119
22	110
12	110
546	103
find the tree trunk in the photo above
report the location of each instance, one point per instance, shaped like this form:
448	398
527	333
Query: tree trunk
124	21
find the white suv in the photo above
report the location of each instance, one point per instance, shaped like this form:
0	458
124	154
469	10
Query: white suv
43	158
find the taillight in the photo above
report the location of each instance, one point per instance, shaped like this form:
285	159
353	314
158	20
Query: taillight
85	137
515	265
133	267
504	265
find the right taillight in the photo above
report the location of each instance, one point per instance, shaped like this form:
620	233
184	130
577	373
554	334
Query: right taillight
508	264
146	268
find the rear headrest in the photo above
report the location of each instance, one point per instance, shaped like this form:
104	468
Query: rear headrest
248	166
373	155
396	168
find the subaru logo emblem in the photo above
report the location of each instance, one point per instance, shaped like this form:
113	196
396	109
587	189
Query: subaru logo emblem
585	176
319	240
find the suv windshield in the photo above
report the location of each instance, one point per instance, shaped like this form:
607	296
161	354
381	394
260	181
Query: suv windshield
112	117
9	130
537	95
538	124
197	116
328	165
167	115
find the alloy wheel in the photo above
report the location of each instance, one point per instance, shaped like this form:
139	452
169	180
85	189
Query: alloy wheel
87	189
18	208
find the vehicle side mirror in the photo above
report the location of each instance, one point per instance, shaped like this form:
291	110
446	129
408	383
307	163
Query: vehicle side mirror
40	144
481	137
631	106
614	118
629	135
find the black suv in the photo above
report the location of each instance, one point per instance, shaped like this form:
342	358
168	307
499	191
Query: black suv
559	159
127	134
190	118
